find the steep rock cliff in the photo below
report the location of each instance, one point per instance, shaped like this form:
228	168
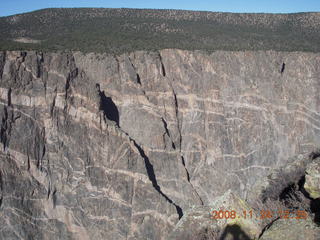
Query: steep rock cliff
118	147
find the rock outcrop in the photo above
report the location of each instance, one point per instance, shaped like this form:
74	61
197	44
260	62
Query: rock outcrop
96	146
225	213
293	229
312	184
284	177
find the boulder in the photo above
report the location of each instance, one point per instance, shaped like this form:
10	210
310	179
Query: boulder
312	184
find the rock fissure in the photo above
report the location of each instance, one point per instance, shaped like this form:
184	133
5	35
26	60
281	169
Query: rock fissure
138	80
53	104
6	126
162	66
180	143
165	125
184	164
268	226
1	189
39	64
153	179
283	68
151	174
9	97
71	76
176	107
40	148
2	63
149	169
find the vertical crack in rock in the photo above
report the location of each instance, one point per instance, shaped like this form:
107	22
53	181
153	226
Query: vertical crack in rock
49	191
2	63
41	71
283	68
6	122
184	164
6	126
23	56
51	194
110	112
151	173
118	63
73	73
162	66
180	143
39	64
167	132
138	80
152	178
28	160
177	116
1	189
67	86
40	148
9	97
53	104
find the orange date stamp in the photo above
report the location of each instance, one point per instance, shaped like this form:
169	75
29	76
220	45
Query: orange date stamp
263	214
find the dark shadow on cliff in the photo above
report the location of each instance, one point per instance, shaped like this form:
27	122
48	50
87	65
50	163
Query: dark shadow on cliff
107	106
283	67
152	178
110	112
315	208
235	231
314	203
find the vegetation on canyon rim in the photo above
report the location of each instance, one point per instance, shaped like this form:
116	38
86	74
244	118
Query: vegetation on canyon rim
125	30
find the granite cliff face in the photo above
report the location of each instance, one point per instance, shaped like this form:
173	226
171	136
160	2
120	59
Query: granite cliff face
97	146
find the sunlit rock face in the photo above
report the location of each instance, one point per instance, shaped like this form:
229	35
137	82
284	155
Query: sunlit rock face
96	146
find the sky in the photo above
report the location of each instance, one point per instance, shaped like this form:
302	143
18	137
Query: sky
10	7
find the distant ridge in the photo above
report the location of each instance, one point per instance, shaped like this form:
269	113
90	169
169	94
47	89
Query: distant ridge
125	30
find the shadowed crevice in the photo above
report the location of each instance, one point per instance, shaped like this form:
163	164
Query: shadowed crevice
176	104
39	64
314	203
2	63
71	76
1	189
184	164
5	126
108	107
9	97
162	66
152	178
165	125
283	67
268	226
138	79
315	154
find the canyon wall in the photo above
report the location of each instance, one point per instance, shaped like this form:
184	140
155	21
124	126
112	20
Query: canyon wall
96	146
